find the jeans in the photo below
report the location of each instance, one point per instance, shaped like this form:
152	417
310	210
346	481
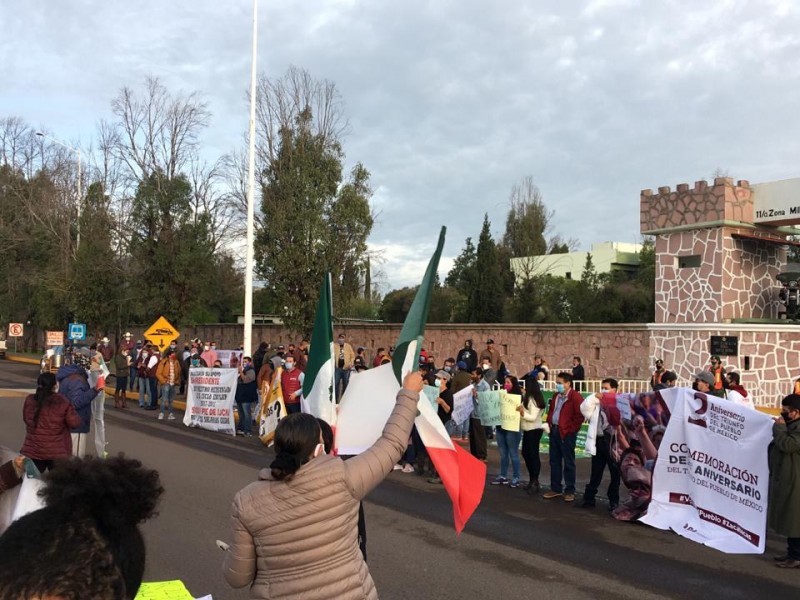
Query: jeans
508	443
530	452
600	460
245	409
144	389
153	392
342	375
562	461
293	408
167	396
132	378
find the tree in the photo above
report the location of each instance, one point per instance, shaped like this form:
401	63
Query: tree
528	220
485	299
314	221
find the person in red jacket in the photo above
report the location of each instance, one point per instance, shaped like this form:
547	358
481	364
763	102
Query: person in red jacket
48	417
291	385
564	419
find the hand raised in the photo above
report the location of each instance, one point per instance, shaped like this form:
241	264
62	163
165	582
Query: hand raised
413	382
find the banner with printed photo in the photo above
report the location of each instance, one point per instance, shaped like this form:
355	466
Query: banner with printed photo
230	359
210	398
580	443
711	478
272	408
489	408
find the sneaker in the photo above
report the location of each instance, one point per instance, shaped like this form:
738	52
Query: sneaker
248	434
789	564
408	468
160	416
171	417
514	483
499	480
239	432
397	468
551	494
435	480
569	497
586	504
780	557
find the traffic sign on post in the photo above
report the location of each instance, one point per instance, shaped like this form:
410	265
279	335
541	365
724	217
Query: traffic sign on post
161	333
15	330
77	332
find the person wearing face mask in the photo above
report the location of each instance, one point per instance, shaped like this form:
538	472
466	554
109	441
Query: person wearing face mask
784	480
246	397
169	377
295	531
564	419
122	367
444	404
477	432
508	443
468	355
209	353
344	365
461	380
291	385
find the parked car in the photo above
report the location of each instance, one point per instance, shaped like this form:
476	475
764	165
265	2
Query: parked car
2	348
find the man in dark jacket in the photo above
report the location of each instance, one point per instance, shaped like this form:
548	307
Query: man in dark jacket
564	419
468	355
73	382
784	480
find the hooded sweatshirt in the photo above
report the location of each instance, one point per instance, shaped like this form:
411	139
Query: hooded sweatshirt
73	383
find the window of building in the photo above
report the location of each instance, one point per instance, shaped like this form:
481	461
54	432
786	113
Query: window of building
689	261
568	275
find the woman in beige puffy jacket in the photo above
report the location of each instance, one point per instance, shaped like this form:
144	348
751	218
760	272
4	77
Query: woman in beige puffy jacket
295	530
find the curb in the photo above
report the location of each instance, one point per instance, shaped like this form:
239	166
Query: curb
22	359
134	397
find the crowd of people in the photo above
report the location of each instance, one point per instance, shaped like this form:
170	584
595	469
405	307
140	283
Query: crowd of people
305	480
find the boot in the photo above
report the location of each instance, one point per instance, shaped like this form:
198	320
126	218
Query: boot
123	400
116	399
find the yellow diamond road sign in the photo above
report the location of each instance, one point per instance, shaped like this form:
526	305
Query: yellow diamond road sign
161	333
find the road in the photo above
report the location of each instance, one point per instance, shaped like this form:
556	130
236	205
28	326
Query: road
515	545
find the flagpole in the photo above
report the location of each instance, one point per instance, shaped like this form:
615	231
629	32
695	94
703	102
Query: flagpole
333	358
250	259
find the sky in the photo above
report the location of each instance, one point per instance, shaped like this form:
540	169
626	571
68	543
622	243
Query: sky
451	102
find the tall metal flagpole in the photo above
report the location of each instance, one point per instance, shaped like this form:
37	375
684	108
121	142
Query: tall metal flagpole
249	266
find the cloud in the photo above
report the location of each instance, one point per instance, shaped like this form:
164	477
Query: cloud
452	102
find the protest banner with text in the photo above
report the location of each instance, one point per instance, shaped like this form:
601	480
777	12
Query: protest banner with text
489	408
711	478
210	399
462	405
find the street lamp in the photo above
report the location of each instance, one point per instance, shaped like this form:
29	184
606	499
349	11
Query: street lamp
80	196
248	274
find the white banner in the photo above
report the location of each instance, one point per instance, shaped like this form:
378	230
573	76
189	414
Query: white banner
229	358
711	478
210	399
462	405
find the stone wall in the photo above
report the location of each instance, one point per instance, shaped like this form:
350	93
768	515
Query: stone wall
768	359
606	350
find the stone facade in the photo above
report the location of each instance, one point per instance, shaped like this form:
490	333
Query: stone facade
606	350
768	357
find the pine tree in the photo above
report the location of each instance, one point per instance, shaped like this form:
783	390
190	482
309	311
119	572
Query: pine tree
486	298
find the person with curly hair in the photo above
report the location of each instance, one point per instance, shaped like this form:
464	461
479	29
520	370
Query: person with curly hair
295	530
85	544
48	417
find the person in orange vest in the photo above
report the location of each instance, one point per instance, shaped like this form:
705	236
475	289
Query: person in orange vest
655	380
718	371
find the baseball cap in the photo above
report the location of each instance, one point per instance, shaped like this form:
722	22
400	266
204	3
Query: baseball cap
490	341
443	375
705	376
461	365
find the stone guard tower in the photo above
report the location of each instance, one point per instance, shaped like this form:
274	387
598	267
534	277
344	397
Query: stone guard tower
713	263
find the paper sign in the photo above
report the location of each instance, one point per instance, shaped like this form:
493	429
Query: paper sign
432	393
209	402
163	590
509	411
462	405
489	408
55	338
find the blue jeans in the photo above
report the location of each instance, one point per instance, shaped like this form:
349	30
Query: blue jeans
562	461
153	392
167	396
508	444
143	391
132	378
342	375
245	416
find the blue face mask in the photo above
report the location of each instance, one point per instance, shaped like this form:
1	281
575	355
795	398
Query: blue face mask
560	388
438	383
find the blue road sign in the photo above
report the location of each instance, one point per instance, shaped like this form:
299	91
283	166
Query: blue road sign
77	331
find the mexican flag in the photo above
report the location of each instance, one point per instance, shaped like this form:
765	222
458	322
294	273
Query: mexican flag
318	398
370	398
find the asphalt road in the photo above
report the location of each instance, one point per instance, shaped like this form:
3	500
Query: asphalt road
515	545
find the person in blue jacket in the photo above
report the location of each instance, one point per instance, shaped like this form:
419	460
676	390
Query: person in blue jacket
73	382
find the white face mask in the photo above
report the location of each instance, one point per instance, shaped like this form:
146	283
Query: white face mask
438	383
205	347
289	366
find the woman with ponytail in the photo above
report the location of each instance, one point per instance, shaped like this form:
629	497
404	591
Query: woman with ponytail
531	410
295	531
48	417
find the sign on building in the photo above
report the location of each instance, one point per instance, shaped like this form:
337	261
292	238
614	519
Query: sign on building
777	202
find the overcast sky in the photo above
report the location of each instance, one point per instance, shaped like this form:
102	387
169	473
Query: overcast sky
452	101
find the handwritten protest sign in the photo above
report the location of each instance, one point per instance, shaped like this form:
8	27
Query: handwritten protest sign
509	411
209	401
462	405
432	393
489	408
